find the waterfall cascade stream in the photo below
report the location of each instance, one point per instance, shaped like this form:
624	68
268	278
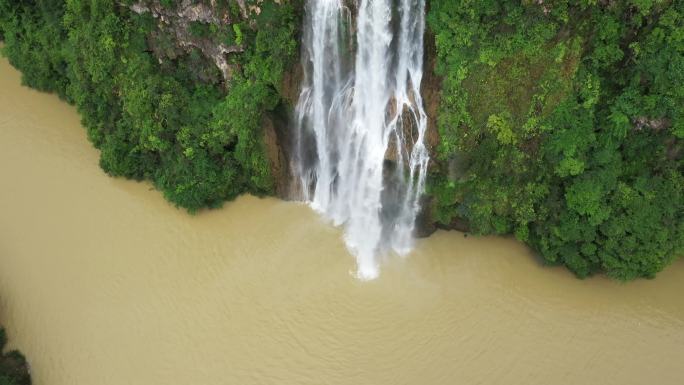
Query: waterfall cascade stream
360	157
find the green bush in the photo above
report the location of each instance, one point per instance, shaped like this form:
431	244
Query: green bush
564	122
155	111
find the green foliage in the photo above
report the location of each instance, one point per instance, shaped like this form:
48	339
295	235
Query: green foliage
33	38
13	366
561	122
155	109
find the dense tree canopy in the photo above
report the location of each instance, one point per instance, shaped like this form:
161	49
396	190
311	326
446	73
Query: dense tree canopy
154	112
561	122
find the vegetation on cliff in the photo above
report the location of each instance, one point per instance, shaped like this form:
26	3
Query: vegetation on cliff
562	122
144	80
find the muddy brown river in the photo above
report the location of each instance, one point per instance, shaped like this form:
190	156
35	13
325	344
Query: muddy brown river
102	282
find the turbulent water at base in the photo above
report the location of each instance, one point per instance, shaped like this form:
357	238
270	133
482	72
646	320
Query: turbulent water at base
360	156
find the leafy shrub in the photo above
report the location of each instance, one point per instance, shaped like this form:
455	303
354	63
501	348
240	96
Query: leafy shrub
563	120
168	118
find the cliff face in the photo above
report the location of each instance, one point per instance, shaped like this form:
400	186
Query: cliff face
175	23
430	89
188	26
280	131
214	30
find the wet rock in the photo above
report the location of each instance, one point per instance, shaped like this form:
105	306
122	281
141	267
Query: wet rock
291	84
407	133
457	223
276	157
645	123
430	90
425	225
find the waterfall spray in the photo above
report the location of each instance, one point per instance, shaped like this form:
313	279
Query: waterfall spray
360	157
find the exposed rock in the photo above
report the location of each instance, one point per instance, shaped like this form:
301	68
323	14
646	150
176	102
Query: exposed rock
243	7
177	21
174	38
186	9
430	90
281	124
643	122
201	12
546	8
425	224
408	133
457	223
291	83
277	159
674	149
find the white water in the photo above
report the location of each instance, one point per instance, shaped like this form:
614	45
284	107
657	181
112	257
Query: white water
360	158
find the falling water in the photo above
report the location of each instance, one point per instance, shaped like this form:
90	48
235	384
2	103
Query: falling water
360	157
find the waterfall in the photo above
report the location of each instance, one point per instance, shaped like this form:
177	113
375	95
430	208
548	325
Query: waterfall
360	157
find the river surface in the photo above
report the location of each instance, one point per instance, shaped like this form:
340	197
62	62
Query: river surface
102	282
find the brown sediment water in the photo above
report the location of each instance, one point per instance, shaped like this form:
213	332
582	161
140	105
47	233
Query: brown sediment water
102	282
